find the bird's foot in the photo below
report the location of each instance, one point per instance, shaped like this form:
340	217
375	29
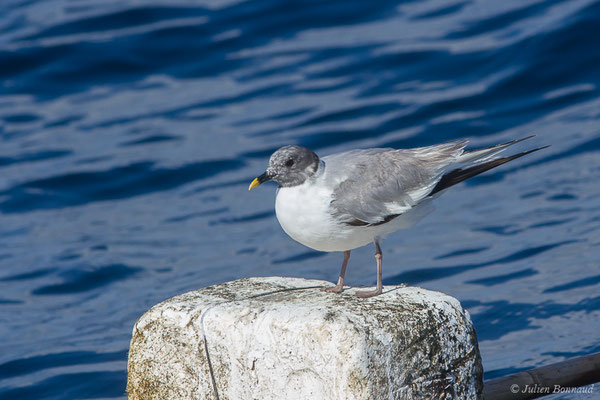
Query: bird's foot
369	293
336	289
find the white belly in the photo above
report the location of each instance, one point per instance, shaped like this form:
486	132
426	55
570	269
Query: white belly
304	215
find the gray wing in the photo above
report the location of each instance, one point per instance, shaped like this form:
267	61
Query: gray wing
374	186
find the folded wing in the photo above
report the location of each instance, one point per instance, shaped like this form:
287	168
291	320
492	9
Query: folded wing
380	184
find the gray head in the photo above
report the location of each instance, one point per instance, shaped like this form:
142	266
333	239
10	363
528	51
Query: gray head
289	166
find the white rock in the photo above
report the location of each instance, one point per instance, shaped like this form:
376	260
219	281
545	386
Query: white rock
277	338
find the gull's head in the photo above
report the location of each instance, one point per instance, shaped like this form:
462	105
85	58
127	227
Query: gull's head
289	166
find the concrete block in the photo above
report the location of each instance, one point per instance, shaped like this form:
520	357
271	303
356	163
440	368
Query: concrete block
283	338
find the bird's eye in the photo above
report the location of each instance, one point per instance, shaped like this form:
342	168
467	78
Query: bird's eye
289	163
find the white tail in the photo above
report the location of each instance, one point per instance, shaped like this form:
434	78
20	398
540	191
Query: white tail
486	154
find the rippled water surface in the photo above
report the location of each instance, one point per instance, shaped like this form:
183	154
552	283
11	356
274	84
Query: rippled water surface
130	130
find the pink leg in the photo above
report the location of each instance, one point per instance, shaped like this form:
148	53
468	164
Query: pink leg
339	288
379	289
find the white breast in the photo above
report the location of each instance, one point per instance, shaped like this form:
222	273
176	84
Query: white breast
303	213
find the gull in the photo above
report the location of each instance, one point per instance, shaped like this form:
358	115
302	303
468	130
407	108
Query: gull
347	200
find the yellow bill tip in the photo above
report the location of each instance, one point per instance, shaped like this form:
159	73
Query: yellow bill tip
254	184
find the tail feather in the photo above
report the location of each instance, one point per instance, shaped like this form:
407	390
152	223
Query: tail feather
482	155
458	175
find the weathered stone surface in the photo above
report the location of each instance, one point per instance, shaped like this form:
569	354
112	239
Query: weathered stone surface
274	338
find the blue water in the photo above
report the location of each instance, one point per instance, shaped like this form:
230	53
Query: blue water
130	130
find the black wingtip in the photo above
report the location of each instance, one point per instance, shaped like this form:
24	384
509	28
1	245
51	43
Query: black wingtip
458	175
515	141
522	139
528	152
503	145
